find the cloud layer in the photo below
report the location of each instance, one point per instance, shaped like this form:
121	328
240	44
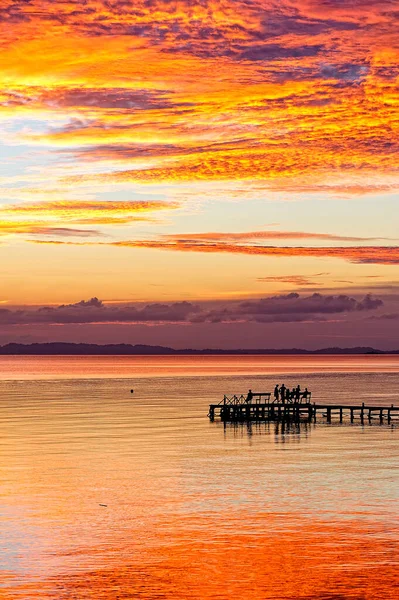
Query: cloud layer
383	255
265	235
288	308
47	217
126	120
288	95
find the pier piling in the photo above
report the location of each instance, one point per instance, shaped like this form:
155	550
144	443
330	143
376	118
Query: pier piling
240	410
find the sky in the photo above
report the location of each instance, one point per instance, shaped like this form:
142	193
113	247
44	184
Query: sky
200	173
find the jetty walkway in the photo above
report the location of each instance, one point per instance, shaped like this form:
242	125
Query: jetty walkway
261	408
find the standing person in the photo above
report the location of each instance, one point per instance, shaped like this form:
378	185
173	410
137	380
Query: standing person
297	393
282	392
287	395
249	397
276	392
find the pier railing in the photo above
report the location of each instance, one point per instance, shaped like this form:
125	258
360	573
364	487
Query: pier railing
257	398
262	398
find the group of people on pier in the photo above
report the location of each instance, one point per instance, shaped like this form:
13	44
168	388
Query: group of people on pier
285	395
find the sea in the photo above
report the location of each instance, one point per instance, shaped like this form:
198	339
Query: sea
115	485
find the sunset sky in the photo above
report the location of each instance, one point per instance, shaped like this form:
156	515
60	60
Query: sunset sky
200	173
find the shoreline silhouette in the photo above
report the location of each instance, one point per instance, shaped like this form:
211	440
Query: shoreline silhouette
70	349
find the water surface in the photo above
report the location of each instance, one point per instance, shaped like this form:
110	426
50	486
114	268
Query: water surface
192	509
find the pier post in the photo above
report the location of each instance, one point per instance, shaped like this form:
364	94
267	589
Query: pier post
295	411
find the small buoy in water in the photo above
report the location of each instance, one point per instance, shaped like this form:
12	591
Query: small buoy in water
131	391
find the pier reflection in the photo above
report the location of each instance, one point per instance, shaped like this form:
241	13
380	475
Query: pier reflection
283	431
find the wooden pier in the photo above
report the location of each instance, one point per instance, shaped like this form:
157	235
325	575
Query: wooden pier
237	409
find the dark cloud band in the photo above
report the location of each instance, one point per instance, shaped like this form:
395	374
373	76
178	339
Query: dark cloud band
288	308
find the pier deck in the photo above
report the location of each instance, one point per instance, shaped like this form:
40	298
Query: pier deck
297	411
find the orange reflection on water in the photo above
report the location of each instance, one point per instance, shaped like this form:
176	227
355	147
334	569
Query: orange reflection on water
105	495
307	559
91	367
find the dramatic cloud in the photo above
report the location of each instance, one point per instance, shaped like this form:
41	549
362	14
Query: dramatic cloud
377	255
265	235
210	112
90	213
94	311
292	95
289	308
384	255
117	98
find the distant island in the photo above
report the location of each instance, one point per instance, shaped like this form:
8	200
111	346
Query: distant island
71	349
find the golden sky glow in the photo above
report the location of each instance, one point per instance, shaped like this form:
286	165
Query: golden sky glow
151	125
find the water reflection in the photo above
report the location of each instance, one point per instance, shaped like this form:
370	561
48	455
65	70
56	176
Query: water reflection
283	431
288	431
194	510
305	560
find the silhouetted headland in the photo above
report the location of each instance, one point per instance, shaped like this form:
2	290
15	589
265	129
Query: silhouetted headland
72	349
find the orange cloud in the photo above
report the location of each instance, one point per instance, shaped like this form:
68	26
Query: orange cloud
88	212
265	235
385	255
299	98
382	255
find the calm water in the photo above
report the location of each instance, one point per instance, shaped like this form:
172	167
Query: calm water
193	510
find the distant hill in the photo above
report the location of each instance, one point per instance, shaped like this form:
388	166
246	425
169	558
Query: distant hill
70	349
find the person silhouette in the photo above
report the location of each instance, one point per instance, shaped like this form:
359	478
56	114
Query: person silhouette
276	392
249	396
282	393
